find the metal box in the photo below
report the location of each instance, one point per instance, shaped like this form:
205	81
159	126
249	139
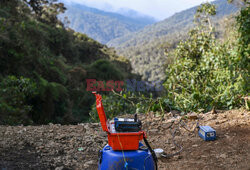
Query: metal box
207	133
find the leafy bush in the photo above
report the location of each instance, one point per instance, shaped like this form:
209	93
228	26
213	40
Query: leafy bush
15	94
114	105
104	70
206	72
127	102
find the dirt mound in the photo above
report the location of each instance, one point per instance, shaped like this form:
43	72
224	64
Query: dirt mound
76	147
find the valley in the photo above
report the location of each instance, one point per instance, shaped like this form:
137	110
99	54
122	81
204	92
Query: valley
142	41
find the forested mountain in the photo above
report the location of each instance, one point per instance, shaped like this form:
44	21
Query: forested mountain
104	26
145	48
43	65
207	69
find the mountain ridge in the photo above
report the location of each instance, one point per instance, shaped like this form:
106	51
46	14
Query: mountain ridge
101	25
145	48
181	18
141	43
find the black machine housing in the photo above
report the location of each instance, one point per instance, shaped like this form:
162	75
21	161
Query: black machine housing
127	125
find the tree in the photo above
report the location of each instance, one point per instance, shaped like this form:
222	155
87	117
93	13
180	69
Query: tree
15	94
203	14
201	37
208	73
46	10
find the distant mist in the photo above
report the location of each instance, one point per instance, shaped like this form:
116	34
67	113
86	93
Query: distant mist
159	9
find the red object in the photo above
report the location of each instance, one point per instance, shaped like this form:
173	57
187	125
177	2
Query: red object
118	141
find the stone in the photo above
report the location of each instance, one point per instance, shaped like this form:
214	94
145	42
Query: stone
193	116
223	156
173	148
174	112
88	163
166	125
153	130
59	168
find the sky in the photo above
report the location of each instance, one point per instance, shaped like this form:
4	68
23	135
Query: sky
159	9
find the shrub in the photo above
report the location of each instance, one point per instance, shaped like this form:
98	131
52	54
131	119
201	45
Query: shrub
14	100
207	73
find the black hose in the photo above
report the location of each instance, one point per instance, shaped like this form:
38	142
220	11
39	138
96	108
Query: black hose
152	152
177	145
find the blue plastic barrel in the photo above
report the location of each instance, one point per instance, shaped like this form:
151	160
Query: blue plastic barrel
140	159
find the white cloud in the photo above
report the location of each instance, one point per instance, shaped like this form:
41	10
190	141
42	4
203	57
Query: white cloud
159	9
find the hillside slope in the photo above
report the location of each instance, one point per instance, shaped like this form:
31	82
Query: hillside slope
176	23
103	26
43	67
145	48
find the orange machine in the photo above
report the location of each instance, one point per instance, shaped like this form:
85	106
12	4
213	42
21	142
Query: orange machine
117	140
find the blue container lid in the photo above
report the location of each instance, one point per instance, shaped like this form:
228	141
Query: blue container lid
207	129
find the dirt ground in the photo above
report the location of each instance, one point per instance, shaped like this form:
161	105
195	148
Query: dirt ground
76	147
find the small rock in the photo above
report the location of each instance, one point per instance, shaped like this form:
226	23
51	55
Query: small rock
172	120
193	116
173	148
153	130
41	147
87	164
223	156
166	125
174	112
59	168
168	141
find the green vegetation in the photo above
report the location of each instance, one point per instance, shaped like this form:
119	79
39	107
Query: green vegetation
43	65
127	102
14	101
204	72
100	25
145	48
207	73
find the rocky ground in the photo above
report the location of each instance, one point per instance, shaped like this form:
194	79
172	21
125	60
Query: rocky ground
76	147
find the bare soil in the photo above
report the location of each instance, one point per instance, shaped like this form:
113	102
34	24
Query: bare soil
76	147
